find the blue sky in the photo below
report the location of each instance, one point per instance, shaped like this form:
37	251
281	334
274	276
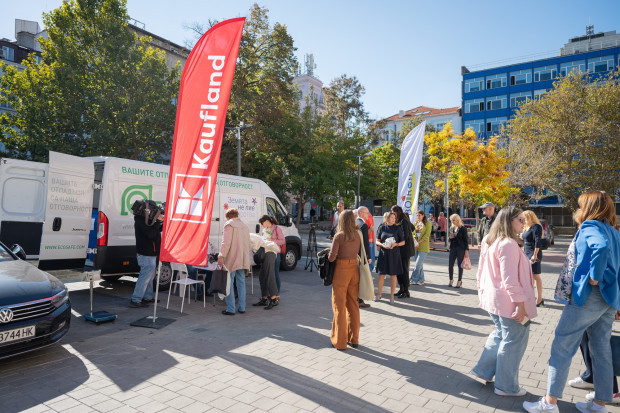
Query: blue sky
406	53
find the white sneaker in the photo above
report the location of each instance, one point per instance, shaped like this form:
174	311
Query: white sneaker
590	407
519	393
615	399
580	384
540	406
421	283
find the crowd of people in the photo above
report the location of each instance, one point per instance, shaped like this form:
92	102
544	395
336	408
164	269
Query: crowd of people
509	288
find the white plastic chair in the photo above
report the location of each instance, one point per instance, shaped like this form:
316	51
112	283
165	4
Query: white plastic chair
186	282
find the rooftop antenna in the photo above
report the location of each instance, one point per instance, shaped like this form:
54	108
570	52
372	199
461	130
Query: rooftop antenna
309	64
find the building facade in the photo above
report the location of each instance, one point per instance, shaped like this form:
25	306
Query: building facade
438	118
490	97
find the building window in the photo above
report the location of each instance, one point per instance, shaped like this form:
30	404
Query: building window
440	126
477	125
496	102
539	92
474	85
601	64
474	105
517	99
8	53
4	105
495	124
521	77
493	82
576	66
545	73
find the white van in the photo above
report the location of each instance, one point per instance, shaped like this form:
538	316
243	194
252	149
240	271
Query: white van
23	191
64	205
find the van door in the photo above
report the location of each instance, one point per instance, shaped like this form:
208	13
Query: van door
68	213
23	191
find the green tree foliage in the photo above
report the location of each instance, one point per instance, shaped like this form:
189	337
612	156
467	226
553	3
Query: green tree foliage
100	90
575	126
343	102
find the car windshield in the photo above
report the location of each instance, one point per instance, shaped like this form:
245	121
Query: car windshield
5	255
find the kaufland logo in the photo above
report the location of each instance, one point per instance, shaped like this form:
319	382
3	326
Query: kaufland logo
192	194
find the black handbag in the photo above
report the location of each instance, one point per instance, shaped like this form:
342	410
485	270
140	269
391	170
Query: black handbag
259	255
219	279
544	244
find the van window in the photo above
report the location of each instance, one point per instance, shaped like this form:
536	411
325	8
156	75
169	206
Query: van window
13	200
275	210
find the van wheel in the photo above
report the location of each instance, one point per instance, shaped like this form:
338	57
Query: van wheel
165	276
290	258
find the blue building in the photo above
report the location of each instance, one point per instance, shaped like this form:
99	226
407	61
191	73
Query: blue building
490	97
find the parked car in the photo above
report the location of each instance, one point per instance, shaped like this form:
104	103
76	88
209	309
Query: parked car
548	231
469	222
35	310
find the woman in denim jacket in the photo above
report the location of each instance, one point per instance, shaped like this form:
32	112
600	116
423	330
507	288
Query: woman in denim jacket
506	292
593	305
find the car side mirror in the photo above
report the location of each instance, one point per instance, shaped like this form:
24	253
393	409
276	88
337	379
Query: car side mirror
289	221
19	251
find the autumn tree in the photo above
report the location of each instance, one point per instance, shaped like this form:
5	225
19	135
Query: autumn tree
475	170
343	102
574	127
100	90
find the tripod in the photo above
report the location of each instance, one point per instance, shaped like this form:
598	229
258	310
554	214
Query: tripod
311	251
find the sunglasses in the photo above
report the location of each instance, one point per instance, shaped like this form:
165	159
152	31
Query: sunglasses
521	220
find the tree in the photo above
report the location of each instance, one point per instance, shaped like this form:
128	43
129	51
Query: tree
100	89
575	127
343	103
476	170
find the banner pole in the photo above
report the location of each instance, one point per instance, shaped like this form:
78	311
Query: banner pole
156	293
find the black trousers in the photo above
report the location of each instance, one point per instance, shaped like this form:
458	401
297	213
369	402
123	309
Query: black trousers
456	254
403	278
587	360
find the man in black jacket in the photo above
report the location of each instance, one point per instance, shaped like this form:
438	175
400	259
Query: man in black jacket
148	240
360	214
488	209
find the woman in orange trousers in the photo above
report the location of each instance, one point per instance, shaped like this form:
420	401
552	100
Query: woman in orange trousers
345	285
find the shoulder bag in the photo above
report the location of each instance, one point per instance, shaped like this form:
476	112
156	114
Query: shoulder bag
564	286
366	286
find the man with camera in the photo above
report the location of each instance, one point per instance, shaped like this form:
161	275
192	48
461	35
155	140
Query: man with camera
148	223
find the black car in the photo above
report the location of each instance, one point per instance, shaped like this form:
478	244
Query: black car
35	310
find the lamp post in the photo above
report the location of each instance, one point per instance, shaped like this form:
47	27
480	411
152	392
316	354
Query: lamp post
238	128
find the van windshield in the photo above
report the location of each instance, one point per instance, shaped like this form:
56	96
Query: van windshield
275	210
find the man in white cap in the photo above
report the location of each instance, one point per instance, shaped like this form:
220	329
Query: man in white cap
488	209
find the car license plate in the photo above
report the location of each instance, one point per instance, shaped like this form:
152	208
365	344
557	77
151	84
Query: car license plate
16	334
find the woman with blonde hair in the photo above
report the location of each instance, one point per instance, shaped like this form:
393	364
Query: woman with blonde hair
594	303
532	243
459	248
506	292
345	286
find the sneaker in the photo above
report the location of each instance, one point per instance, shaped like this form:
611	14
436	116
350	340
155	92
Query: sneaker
421	283
580	384
540	406
473	373
615	399
590	407
519	393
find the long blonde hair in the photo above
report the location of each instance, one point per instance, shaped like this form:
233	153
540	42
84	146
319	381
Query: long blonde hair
530	220
346	224
457	218
502	226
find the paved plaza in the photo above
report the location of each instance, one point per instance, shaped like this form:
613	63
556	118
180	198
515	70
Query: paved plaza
413	357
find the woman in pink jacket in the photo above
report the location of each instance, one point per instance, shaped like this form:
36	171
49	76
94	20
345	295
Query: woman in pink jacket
506	291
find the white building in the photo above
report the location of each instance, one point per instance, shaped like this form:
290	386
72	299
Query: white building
310	88
433	116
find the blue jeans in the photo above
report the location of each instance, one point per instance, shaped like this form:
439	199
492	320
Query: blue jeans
372	256
502	354
144	286
277	270
417	275
239	278
595	316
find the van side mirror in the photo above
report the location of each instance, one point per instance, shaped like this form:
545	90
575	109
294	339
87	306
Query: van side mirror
19	251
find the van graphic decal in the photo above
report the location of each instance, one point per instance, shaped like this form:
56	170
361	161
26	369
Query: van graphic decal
135	193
